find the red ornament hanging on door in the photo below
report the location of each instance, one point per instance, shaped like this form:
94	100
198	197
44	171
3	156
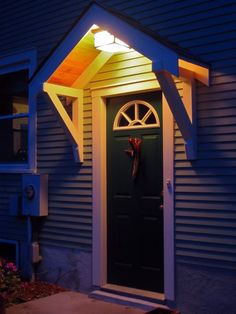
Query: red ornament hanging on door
134	153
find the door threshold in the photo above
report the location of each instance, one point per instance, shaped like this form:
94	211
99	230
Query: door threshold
143	299
135	292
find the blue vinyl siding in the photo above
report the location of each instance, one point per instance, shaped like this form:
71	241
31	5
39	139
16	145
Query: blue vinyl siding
205	202
69	223
11	227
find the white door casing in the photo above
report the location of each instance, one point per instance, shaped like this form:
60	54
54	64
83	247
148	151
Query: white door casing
99	262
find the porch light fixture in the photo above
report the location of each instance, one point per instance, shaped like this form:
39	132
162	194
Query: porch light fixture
107	42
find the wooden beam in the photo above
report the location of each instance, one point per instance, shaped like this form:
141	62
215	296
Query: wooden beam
62	90
175	103
178	110
77	119
92	69
74	127
189	72
201	73
189	100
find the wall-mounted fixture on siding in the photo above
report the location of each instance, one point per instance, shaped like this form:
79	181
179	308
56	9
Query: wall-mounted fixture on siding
33	201
35	195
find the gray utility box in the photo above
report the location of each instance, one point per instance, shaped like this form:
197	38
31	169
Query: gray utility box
35	195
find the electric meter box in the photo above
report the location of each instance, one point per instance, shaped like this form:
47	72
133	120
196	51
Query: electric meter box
35	195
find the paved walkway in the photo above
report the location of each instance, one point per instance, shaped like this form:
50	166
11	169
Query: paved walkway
71	303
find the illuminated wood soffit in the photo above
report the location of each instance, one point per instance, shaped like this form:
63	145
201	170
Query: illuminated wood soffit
84	60
75	63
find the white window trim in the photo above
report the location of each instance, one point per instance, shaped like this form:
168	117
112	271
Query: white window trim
99	186
132	122
13	63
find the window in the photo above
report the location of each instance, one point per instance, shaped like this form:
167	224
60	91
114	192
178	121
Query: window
136	114
17	113
14	117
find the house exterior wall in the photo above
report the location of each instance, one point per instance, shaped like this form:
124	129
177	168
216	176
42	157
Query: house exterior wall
205	201
70	210
14	230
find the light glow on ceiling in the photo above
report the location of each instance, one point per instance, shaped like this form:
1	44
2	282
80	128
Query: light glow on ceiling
105	41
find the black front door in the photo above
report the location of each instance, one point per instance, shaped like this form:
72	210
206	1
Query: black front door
134	203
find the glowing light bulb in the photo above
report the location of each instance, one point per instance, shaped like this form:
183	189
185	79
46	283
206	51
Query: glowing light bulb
105	41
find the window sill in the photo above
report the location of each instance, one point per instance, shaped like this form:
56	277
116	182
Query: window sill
16	168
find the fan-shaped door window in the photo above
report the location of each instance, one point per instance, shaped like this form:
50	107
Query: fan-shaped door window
136	114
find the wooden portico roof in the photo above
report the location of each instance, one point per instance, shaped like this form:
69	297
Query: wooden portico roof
75	58
76	51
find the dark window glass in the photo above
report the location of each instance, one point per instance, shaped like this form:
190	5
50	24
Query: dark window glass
130	112
142	111
14	117
151	119
123	121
